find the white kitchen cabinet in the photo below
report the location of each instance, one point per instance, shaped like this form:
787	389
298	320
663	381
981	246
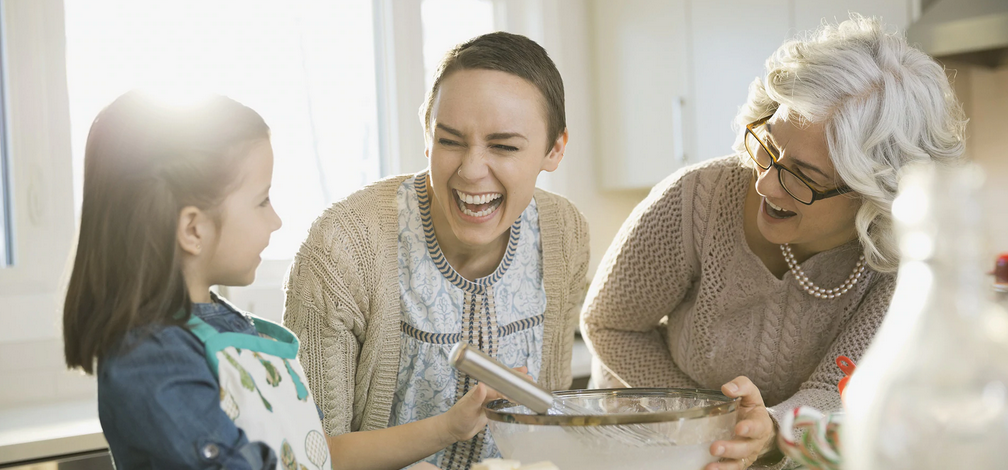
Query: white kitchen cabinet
671	75
731	42
641	52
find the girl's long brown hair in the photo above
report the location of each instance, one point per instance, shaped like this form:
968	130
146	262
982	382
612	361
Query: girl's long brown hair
144	162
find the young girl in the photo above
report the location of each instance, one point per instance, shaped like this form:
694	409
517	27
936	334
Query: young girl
176	200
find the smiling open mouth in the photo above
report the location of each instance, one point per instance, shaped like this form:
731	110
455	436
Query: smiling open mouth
478	205
776	212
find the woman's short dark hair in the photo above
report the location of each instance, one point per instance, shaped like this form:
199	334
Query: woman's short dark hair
511	53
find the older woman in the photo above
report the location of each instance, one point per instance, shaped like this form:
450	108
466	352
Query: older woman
753	272
468	250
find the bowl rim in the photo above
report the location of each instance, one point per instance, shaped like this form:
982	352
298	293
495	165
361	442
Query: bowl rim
728	405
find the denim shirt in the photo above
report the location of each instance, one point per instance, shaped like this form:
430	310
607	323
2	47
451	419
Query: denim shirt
159	402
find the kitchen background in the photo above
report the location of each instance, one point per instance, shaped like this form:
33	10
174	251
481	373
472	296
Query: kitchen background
651	85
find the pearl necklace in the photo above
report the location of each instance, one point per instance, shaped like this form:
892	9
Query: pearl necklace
815	290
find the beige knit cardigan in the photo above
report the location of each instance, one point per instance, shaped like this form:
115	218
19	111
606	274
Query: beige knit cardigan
680	300
343	302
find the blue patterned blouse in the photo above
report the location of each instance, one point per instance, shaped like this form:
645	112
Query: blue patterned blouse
501	313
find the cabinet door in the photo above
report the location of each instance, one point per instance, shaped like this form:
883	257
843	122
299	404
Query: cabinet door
641	71
732	40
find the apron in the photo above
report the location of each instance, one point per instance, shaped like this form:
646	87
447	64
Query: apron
263	391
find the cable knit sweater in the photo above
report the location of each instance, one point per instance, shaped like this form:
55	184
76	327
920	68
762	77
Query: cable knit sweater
343	302
680	300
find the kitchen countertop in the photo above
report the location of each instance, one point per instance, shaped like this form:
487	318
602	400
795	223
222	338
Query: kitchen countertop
51	430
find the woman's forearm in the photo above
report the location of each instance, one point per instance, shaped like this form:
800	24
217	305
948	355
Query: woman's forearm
650	363
391	448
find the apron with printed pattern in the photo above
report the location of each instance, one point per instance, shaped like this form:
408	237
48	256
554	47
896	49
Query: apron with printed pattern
262	389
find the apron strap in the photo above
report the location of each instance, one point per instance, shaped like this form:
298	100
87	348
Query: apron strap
201	329
206	334
214	341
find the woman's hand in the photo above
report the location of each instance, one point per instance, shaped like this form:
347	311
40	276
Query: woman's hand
466	418
754	433
424	466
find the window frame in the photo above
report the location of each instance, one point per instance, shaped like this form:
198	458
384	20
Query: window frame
6	182
40	170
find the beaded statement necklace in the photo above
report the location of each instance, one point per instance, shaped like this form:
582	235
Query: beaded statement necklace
815	290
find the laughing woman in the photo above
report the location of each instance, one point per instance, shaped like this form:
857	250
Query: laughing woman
752	273
392	277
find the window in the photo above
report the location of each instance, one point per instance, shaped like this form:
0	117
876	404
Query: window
307	67
6	182
449	22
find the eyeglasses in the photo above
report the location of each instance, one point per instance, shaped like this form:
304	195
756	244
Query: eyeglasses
766	156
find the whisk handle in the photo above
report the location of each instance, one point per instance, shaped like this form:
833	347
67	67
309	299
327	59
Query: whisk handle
505	380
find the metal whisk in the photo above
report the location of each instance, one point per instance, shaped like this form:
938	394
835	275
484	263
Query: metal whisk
518	387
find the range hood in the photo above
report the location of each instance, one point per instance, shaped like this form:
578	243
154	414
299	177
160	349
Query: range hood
974	31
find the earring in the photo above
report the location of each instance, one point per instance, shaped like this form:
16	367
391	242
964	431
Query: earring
199	247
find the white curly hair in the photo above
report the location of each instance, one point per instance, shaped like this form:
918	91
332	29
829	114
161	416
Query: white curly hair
884	103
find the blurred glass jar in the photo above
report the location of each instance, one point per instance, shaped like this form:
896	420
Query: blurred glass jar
931	392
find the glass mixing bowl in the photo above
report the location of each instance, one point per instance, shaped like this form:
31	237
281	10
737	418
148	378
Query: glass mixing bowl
688	421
